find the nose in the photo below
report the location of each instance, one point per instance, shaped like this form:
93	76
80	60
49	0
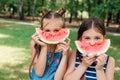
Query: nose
52	33
92	42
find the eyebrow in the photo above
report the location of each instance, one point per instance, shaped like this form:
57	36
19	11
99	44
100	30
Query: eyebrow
93	36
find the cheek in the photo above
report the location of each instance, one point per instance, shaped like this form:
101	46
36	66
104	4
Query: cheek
86	40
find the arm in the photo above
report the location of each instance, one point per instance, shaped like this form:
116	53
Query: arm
100	74
61	68
110	69
72	73
39	63
63	63
108	75
76	74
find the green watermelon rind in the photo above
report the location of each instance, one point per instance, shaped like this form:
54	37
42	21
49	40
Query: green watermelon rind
90	54
55	42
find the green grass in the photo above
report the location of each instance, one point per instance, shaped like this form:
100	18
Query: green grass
15	51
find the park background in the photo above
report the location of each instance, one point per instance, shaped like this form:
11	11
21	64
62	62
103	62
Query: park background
19	18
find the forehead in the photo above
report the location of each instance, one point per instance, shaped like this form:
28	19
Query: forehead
48	23
92	32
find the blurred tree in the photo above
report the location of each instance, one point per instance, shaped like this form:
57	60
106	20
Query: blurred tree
104	9
52	4
21	9
33	10
72	7
29	7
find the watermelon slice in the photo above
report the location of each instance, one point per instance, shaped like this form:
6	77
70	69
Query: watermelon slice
98	48
53	37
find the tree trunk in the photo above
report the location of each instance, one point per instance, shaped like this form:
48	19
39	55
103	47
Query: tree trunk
33	13
76	12
29	8
70	20
118	20
118	17
99	2
21	10
89	6
42	2
109	18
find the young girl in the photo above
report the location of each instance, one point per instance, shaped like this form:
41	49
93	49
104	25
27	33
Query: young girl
49	61
83	67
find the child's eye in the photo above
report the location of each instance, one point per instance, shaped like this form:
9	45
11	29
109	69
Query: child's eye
97	38
47	30
56	30
87	38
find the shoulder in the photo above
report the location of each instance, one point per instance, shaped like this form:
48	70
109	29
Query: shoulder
72	57
110	68
111	63
32	42
111	60
71	62
73	54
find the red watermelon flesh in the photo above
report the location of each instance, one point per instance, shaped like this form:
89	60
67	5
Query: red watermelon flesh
53	37
98	48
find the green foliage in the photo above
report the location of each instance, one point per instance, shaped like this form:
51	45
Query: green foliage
96	8
71	6
8	3
101	10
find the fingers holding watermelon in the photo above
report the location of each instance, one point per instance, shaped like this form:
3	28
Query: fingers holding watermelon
101	60
36	39
68	41
63	46
88	60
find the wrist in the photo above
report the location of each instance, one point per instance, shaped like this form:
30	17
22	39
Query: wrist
65	53
64	56
99	68
44	47
83	66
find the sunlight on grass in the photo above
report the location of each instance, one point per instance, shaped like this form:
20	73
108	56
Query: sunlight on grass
114	34
4	36
3	25
114	48
117	69
11	55
13	60
15	56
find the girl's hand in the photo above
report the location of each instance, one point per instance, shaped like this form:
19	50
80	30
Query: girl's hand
36	39
88	60
101	60
64	46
